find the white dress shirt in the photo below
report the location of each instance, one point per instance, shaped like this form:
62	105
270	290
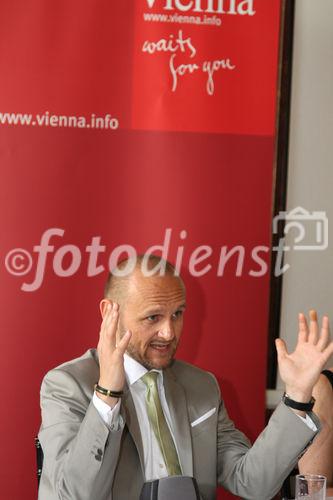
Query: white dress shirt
153	459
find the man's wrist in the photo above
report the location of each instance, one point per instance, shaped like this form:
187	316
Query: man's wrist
301	408
298	395
107	399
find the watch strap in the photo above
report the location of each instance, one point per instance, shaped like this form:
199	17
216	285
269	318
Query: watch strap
108	392
296	405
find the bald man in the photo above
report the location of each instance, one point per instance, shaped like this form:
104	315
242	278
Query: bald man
151	416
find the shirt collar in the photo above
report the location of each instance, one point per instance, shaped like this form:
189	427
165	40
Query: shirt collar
134	370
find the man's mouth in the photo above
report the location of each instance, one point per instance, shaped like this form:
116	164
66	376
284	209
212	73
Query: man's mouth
160	347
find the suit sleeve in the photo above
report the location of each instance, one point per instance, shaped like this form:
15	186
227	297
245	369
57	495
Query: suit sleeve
257	472
75	442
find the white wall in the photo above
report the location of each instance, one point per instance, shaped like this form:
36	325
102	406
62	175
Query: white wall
309	281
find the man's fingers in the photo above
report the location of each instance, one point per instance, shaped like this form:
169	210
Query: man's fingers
324	334
106	313
302	328
109	326
281	348
106	319
330	349
327	353
123	343
313	331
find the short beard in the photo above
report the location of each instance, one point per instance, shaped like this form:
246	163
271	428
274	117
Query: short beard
145	362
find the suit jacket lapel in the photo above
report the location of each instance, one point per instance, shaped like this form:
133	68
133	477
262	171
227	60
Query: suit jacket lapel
176	399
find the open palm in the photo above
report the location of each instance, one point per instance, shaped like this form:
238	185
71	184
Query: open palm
300	369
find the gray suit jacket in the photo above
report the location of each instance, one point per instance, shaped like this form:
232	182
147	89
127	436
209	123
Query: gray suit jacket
85	460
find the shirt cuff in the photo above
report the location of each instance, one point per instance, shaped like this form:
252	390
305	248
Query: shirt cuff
308	421
110	416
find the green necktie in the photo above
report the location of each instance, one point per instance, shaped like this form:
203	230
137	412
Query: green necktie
160	426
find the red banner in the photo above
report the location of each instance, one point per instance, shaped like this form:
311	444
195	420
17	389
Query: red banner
126	125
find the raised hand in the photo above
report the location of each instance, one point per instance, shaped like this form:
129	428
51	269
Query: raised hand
300	370
111	354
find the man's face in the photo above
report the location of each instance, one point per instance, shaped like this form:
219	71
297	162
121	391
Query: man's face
153	311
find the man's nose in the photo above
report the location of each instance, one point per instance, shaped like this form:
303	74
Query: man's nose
166	332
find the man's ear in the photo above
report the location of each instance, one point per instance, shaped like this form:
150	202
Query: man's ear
103	306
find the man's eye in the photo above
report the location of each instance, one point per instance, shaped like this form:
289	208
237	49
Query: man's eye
178	314
152	318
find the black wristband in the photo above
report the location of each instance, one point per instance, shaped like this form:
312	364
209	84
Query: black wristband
296	405
108	392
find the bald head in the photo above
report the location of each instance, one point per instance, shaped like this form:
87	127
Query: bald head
130	270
